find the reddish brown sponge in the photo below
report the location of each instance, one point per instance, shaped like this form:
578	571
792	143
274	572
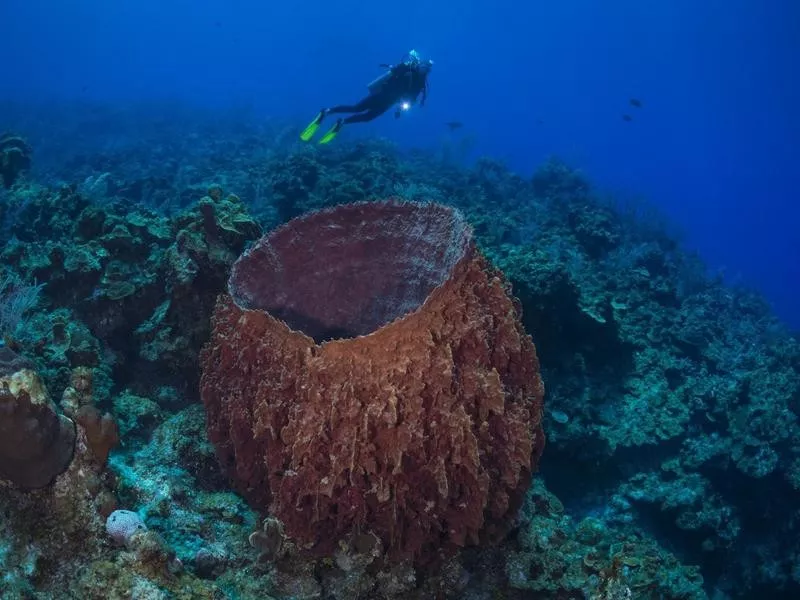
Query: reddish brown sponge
368	371
36	442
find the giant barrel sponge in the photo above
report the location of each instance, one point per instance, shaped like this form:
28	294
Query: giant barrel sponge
368	372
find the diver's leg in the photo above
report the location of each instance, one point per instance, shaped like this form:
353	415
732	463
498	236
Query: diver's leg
360	106
365	116
342	108
363	105
373	110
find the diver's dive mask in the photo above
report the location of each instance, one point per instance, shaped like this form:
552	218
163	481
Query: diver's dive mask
413	59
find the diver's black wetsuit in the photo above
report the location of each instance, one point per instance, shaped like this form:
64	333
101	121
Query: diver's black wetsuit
403	83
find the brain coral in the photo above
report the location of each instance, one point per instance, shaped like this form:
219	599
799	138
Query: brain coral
368	371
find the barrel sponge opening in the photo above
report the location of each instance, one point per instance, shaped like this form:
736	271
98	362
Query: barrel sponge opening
345	272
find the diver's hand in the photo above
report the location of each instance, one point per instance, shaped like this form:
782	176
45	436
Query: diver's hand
398	113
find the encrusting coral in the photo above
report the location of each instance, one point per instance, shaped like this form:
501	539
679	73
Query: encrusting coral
368	371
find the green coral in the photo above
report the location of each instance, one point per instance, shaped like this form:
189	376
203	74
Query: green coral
560	558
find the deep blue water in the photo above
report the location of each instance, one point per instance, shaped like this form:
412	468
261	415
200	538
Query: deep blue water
715	145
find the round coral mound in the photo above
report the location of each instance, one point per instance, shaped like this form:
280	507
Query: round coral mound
368	372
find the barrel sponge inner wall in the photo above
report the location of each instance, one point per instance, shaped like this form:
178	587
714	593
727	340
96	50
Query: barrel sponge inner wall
347	271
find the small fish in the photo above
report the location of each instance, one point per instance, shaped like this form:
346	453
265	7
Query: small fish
627	118
453	125
636	102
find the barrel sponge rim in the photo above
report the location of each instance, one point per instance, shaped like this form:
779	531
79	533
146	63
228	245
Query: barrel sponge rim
349	270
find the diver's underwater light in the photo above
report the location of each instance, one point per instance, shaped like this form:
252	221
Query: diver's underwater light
405	105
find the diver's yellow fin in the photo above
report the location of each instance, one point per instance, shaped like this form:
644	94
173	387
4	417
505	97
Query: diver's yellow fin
309	131
332	132
328	137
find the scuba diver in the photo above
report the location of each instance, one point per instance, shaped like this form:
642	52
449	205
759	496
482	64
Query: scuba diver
400	85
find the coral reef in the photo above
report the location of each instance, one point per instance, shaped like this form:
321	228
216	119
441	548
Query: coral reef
65	550
68	505
672	398
369	372
134	289
557	557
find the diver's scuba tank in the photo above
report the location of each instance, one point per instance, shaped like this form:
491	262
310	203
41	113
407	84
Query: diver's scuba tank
412	61
376	83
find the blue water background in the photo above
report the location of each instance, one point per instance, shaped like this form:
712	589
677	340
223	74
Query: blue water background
716	144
